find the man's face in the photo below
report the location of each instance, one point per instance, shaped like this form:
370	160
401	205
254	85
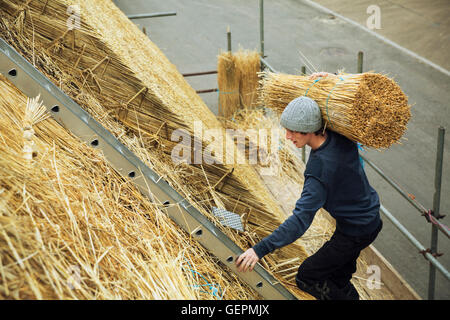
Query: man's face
299	139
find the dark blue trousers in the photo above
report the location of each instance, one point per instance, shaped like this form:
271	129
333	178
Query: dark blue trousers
326	274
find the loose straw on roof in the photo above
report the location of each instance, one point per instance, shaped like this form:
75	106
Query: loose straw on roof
368	108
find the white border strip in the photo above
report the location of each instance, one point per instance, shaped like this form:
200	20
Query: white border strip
395	45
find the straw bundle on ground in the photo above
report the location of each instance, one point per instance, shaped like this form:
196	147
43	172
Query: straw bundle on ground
228	83
72	228
368	108
124	81
249	65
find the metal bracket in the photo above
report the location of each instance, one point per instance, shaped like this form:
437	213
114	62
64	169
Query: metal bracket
71	116
434	254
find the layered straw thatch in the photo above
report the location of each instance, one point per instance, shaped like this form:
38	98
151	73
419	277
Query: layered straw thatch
73	228
124	81
286	185
368	108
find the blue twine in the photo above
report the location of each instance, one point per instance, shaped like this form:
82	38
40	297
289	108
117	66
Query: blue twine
360	147
214	290
326	104
280	144
314	82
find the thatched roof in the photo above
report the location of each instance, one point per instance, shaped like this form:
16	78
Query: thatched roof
126	83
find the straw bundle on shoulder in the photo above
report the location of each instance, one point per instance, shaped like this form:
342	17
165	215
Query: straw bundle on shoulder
249	65
228	83
368	108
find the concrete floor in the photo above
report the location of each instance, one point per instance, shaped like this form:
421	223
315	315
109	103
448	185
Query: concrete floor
192	40
422	27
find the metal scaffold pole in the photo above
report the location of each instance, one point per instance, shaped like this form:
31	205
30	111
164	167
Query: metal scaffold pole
436	209
150	15
228	39
360	62
261	27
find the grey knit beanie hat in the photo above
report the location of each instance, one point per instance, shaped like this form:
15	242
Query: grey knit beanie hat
302	115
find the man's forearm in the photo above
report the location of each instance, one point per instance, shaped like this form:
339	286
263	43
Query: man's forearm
289	231
312	199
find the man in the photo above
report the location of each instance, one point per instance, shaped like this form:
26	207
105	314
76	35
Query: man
336	181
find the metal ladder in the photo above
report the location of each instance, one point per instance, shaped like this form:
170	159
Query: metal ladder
72	117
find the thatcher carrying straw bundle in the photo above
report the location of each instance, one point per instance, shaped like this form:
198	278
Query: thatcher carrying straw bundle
368	108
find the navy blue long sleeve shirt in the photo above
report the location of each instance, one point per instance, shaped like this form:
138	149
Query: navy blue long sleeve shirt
336	181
